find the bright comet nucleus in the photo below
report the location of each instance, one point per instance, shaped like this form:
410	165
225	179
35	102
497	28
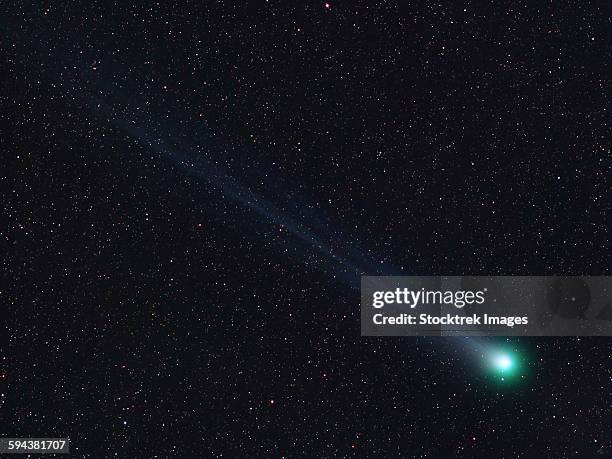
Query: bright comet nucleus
503	362
504	365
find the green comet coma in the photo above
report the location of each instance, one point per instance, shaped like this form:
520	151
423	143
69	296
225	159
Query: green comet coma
504	365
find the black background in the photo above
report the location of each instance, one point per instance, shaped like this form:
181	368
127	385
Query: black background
192	189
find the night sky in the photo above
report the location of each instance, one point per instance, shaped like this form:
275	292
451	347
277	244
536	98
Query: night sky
191	191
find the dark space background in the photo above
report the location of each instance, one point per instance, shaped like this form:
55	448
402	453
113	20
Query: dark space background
192	189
